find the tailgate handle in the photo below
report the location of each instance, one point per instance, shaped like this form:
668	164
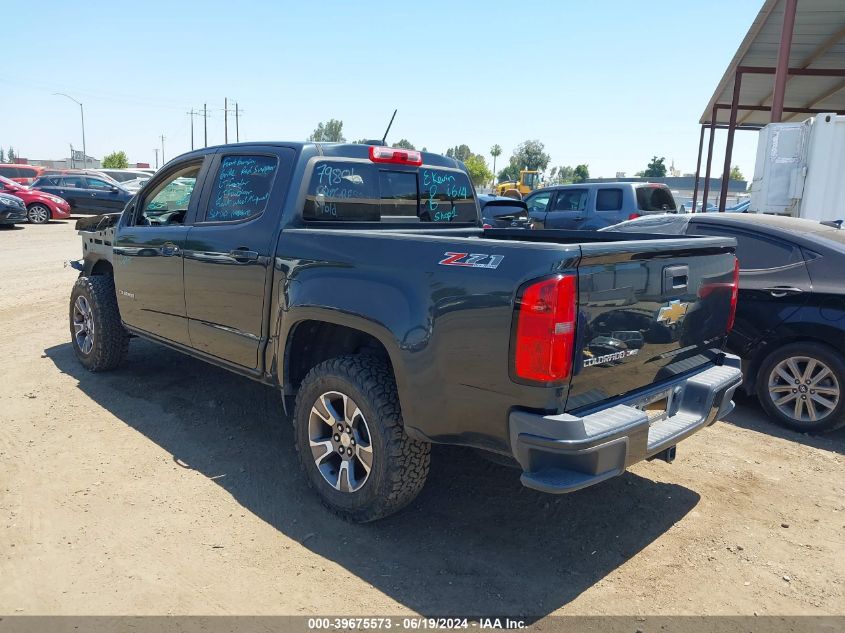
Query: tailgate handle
675	278
781	291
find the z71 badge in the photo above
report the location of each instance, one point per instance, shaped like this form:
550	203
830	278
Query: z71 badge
472	260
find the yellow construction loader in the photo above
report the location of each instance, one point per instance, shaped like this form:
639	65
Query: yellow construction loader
529	180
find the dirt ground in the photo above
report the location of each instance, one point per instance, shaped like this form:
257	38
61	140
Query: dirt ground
171	487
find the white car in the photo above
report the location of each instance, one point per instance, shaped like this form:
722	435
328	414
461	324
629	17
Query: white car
135	184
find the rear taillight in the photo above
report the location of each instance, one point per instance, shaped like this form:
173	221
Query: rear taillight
486	226
545	330
380	154
734	296
633	216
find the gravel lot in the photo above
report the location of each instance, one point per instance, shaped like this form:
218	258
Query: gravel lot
171	487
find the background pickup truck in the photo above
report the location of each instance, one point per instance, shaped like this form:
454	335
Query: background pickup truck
358	280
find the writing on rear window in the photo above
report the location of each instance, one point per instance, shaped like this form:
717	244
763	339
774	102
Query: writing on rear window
242	188
362	192
444	191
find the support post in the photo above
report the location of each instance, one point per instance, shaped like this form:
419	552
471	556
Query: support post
697	169
729	146
782	69
713	116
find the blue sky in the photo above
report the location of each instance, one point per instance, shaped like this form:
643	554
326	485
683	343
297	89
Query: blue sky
604	83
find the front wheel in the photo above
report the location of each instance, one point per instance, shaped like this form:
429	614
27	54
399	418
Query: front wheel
351	442
801	386
97	334
38	214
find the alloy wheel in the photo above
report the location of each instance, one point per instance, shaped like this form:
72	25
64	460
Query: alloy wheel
83	324
340	441
38	214
804	389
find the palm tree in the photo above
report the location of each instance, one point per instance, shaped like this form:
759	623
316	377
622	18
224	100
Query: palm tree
495	152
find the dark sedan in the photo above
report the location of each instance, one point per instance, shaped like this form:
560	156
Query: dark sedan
12	210
85	193
499	212
790	320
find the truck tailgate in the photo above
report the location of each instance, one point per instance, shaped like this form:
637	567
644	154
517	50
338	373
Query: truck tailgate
648	311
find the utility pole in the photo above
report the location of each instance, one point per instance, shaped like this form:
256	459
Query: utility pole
155	149
191	115
162	149
72	163
226	120
237	129
205	124
82	116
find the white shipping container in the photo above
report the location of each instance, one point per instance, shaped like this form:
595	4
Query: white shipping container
800	169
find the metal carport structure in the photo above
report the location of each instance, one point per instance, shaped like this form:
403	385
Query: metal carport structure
790	64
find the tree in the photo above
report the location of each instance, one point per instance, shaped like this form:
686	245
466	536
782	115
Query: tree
655	168
459	152
2	155
479	173
404	144
736	174
580	173
530	155
10	155
509	173
495	152
116	160
329	132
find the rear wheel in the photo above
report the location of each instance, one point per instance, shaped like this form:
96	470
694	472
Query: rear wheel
351	442
801	386
98	337
38	213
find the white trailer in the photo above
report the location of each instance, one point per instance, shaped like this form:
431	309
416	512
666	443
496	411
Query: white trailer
800	169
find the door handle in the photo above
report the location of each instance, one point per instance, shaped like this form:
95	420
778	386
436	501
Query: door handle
781	291
578	217
242	254
168	249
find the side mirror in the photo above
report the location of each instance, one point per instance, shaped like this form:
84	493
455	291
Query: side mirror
114	189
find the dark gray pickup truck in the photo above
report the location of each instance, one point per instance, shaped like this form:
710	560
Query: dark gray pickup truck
359	281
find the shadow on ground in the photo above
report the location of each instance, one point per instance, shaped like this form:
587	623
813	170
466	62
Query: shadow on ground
474	542
749	415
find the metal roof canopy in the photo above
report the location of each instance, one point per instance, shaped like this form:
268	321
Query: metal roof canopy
790	65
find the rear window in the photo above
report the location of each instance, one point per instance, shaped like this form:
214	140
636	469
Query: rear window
362	192
655	199
9	172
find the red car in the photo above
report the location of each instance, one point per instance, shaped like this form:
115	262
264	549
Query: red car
41	207
24	174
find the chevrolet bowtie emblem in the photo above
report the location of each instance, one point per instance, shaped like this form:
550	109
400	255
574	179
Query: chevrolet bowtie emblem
672	313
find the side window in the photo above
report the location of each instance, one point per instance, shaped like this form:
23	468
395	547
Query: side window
539	202
571	200
651	198
609	200
755	252
99	185
73	181
167	203
241	189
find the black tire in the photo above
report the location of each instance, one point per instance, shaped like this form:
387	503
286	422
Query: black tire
802	355
38	213
109	340
399	464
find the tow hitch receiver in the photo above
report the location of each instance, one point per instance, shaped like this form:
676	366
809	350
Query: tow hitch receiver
667	455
